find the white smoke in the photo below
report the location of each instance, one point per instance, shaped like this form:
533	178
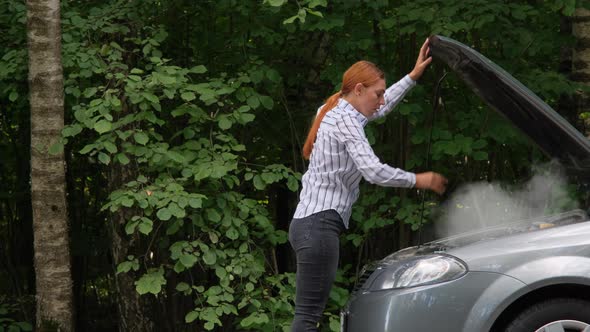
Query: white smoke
478	205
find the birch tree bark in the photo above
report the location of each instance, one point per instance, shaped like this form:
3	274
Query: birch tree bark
48	189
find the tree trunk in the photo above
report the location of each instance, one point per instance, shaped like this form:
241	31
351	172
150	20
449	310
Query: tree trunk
135	311
132	307
48	188
581	60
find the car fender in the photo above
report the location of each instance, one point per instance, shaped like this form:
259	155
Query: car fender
492	301
531	276
553	270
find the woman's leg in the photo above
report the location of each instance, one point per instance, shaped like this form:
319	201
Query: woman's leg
316	244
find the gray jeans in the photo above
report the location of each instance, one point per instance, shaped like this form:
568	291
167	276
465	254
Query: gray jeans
317	246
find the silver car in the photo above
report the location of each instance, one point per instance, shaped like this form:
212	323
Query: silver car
532	275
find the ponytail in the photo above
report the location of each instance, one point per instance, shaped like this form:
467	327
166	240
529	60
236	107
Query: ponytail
363	72
313	131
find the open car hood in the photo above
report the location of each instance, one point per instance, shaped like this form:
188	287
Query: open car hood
503	93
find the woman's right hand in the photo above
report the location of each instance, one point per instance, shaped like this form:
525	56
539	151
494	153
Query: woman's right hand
432	181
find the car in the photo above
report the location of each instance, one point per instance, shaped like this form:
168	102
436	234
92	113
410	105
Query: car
523	276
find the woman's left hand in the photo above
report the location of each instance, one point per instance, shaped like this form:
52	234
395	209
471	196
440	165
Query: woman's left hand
422	62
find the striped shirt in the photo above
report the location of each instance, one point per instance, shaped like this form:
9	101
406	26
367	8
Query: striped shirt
342	154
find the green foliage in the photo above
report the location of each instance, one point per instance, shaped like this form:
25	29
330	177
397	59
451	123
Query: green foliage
210	127
195	195
8	312
199	138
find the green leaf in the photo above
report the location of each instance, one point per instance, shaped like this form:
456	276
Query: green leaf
72	130
213	237
166	80
89	92
256	76
109	146
200	69
177	157
220	272
315	3
169	94
195	203
191	316
209	257
141	138
290	19
188	96
247	321
267	102
164	214
213	215
224	123
176	210
122	158
124	267
127	202
239	147
188	260
104	158
232	234
292	184
102	126
151	97
151	282
301	14
13	96
313	12
182	287
253	102
334	325
130	227
276	3
247	117
258	183
146	226
268	177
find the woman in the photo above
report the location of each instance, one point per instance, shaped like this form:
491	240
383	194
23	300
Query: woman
339	155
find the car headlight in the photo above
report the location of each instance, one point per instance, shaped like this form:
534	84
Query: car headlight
418	271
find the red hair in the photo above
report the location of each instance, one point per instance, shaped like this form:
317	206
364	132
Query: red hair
363	72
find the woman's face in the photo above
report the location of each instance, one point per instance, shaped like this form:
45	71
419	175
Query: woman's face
370	98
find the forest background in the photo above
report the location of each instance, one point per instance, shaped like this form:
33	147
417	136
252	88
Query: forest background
184	126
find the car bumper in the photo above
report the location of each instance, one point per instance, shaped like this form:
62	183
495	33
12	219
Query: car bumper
469	304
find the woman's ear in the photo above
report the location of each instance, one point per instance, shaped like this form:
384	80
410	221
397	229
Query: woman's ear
358	89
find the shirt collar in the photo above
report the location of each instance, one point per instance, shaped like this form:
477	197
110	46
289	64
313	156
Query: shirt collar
348	108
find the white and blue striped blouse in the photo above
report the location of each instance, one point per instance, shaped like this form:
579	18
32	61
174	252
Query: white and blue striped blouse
342	154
